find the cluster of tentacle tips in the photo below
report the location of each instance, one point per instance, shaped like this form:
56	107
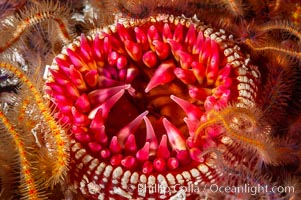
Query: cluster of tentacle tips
157	70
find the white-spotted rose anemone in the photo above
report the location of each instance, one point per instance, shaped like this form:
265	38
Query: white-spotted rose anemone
134	97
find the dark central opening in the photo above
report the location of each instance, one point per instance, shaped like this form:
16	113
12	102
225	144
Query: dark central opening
157	102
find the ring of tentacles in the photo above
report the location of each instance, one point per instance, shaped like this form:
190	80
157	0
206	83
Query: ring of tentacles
132	97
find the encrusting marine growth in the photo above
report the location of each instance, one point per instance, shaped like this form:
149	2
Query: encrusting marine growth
180	94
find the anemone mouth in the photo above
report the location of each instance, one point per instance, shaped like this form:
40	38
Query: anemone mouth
134	94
